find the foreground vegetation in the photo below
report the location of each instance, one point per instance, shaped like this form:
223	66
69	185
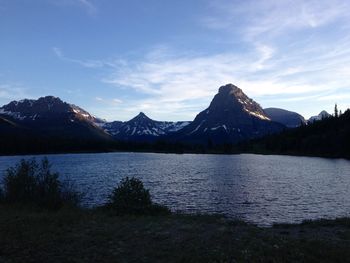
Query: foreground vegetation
38	223
75	235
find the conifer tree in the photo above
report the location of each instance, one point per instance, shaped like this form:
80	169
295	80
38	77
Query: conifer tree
336	111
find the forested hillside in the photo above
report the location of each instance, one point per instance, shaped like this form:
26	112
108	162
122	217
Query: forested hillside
328	137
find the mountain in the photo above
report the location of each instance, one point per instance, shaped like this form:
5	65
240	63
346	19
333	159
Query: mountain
48	124
45	108
322	115
142	128
288	118
231	117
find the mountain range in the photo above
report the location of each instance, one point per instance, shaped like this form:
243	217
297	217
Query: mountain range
230	118
142	128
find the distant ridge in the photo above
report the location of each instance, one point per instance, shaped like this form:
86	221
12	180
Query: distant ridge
322	115
142	128
288	118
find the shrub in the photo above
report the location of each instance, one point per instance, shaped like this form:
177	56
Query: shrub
130	197
33	183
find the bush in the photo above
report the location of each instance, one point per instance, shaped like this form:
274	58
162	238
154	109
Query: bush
130	197
33	183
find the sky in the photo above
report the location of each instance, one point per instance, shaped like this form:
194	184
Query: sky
166	58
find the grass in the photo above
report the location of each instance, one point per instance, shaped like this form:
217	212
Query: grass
76	235
131	228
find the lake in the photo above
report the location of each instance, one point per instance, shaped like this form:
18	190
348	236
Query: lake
256	188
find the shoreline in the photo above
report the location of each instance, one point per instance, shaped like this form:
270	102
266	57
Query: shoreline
177	153
91	235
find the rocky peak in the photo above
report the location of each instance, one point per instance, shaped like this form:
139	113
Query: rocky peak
41	105
48	107
232	99
141	117
229	89
324	114
231	116
51	99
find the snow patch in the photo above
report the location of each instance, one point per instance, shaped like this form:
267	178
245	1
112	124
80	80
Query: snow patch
258	115
196	129
218	127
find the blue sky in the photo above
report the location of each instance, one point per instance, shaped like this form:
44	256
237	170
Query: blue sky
168	58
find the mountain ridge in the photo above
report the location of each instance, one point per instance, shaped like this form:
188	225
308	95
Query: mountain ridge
231	117
288	118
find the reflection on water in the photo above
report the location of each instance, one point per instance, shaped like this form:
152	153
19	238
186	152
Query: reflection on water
256	188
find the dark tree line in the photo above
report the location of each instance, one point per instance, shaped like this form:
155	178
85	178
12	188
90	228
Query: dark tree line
329	137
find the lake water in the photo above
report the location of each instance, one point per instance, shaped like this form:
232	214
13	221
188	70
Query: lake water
256	188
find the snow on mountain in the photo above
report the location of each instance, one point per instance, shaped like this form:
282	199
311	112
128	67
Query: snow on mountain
48	107
231	117
322	115
142	127
50	116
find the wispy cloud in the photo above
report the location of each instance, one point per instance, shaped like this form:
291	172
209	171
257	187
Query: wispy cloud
13	91
84	63
89	6
272	18
111	102
294	51
191	81
86	5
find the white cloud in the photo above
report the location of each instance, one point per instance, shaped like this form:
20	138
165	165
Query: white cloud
12	91
84	63
271	18
189	82
87	5
117	101
291	55
114	101
90	8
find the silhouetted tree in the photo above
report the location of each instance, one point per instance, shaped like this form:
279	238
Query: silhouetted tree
32	183
336	111
131	197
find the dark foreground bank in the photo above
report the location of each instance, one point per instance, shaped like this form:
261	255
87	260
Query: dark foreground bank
75	235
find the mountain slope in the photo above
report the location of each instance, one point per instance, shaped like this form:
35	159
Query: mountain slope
288	118
328	137
48	124
230	118
142	128
322	115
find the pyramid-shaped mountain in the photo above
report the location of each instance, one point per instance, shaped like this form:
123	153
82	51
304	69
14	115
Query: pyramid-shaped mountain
142	128
231	117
